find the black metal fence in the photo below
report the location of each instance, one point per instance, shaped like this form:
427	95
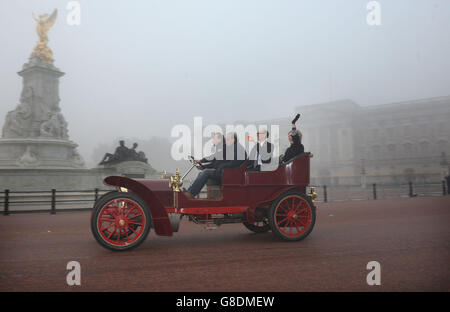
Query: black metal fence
49	201
54	200
379	191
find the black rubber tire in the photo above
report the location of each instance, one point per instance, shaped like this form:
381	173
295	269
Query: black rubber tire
106	199
106	194
264	228
257	229
261	216
276	232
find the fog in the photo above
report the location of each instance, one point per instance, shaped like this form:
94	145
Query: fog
134	69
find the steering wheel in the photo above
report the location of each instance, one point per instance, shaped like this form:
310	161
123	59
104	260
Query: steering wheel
197	165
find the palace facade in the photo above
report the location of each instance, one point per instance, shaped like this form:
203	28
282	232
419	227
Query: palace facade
390	143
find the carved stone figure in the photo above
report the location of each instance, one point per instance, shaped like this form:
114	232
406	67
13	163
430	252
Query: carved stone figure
55	126
27	95
64	132
51	127
17	121
29	157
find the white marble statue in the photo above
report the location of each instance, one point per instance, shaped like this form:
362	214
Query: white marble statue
18	121
28	158
55	127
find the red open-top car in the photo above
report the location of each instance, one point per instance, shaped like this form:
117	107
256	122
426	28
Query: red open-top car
262	200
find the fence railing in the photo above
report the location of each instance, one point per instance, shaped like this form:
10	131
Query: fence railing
49	201
375	191
62	200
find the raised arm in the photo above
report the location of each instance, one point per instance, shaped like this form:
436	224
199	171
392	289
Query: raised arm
294	133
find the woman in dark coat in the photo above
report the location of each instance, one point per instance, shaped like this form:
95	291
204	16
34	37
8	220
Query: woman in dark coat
296	147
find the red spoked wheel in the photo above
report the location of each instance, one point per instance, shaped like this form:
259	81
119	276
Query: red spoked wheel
120	221
292	216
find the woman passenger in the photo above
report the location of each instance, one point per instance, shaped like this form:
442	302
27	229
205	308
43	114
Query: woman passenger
296	147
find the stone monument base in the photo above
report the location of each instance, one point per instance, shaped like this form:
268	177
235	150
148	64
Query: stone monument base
131	169
38	179
42	153
47	179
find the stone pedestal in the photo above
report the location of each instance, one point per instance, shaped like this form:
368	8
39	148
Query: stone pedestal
45	179
33	179
39	153
131	169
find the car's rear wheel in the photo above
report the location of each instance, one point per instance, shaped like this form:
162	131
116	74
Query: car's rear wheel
292	216
120	221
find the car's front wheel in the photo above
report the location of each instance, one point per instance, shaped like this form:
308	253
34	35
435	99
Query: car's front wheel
120	221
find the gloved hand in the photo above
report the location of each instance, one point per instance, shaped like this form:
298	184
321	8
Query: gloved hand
296	118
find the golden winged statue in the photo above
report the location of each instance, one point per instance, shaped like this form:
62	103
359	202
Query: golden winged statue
43	24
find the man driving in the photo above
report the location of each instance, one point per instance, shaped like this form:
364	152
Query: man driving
234	154
213	160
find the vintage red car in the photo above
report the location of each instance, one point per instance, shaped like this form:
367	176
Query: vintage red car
263	201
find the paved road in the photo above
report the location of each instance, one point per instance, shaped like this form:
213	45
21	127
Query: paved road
410	238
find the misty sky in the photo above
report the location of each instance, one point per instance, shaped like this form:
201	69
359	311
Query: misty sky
136	68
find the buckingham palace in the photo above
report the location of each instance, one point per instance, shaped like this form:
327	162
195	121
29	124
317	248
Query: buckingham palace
389	143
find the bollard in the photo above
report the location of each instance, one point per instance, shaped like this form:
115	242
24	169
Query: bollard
410	189
374	186
53	210
96	194
325	196
6	211
443	188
